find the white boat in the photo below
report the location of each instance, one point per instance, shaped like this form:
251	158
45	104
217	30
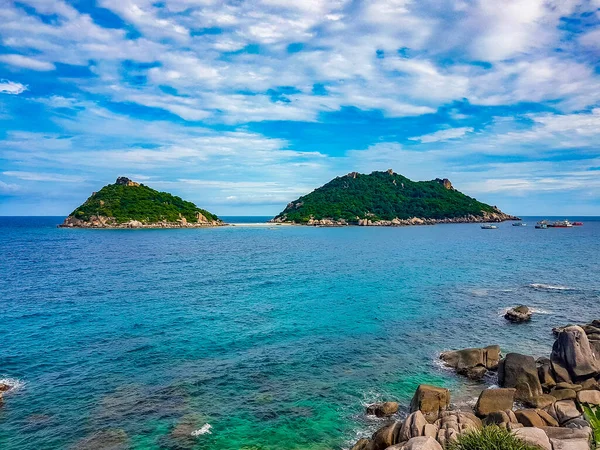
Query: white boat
519	224
487	226
560	224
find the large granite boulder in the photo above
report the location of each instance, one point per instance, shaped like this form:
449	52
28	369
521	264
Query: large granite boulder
518	314
431	401
591	397
534	436
493	400
453	423
568	438
361	444
535	418
413	426
519	372
572	356
473	362
564	411
383	409
422	443
385	437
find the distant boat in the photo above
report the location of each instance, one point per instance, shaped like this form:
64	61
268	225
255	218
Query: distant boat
519	224
488	226
542	224
577	224
560	224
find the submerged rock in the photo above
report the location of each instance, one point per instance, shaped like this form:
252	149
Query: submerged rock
518	314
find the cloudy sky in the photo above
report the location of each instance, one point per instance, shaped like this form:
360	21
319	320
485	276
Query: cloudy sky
243	106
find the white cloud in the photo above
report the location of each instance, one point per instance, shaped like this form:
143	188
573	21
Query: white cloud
11	87
40	176
26	62
443	135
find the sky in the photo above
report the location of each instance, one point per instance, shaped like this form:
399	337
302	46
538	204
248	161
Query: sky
243	106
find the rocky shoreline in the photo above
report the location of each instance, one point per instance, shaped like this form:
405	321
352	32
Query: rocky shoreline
111	223
541	401
486	217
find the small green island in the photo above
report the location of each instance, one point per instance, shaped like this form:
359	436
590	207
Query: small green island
387	199
127	204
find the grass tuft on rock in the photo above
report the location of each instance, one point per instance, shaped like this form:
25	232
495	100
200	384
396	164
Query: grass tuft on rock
490	438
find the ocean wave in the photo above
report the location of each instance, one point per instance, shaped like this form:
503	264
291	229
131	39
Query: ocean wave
549	287
204	429
14	384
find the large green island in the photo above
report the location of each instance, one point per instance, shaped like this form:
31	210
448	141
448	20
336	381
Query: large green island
387	199
127	204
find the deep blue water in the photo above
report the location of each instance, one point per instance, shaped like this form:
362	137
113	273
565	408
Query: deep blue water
276	336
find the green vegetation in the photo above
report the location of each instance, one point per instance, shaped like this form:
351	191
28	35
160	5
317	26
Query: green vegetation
592	415
490	438
384	196
125	202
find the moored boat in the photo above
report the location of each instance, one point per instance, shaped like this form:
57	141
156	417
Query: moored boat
519	224
577	224
560	224
542	224
488	226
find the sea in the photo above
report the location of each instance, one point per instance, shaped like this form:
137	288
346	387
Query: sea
260	336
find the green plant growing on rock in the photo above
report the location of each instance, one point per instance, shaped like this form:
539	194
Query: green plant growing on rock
592	415
490	438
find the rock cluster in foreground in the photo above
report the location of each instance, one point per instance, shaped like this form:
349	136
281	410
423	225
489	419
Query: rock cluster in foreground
540	401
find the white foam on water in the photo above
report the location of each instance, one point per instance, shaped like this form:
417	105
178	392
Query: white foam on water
540	311
14	383
480	292
204	429
549	287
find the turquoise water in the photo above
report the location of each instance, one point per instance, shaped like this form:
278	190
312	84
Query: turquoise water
274	336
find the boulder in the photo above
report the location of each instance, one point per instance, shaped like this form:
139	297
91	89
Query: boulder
564	394
550	421
519	372
569	438
572	356
431	401
530	418
590	384
591	397
413	426
535	436
4	387
473	362
422	443
471	357
499	418
492	400
518	314
564	385
362	444
545	373
385	437
564	410
541	401
382	409
453	423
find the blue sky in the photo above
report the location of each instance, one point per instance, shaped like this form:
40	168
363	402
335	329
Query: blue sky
242	107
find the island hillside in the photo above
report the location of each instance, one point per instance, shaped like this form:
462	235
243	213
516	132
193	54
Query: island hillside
387	199
127	204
